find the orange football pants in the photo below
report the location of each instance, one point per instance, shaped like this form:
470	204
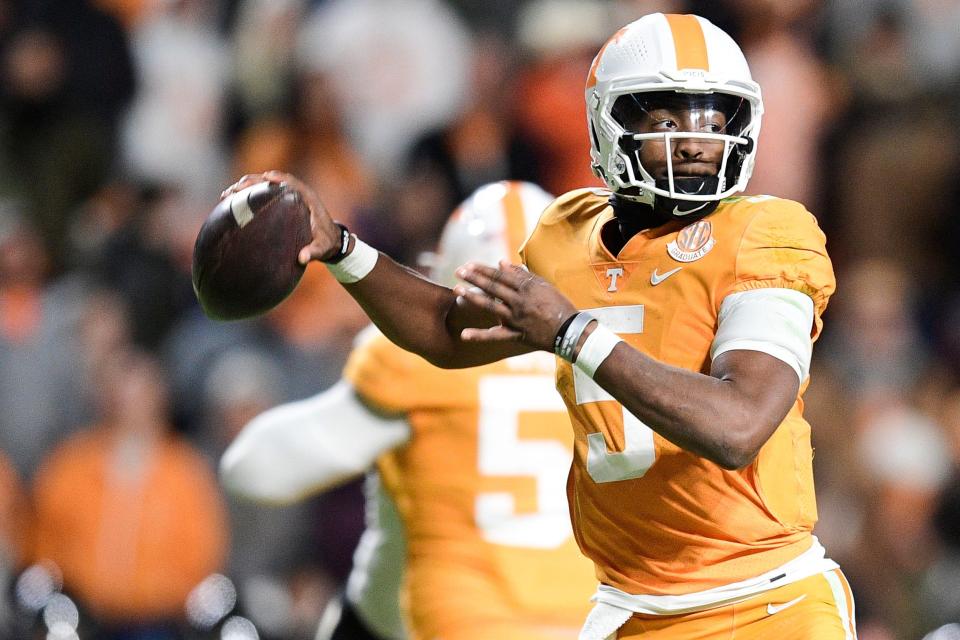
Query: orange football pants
816	608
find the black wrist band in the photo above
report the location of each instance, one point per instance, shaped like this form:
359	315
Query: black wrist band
562	331
344	244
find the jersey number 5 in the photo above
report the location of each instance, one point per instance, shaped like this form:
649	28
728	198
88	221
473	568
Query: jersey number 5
638	453
503	453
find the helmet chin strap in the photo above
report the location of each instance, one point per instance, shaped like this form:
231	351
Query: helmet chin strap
689	185
663	209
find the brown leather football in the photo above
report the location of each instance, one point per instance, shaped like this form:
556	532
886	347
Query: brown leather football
245	258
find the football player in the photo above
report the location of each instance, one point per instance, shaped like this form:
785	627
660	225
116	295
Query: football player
472	466
683	318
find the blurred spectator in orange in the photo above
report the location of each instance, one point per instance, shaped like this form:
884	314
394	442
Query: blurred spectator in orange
318	319
130	513
562	37
39	385
65	78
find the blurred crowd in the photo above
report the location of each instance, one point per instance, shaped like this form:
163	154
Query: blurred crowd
122	120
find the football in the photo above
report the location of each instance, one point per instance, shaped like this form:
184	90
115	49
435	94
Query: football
245	257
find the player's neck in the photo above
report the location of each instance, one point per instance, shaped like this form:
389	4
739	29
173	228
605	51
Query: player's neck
632	218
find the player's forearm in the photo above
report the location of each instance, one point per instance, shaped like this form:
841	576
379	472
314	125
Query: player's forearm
407	308
424	317
719	418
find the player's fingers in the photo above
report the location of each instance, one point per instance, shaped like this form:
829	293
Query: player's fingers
514	274
499	333
241	184
482	300
314	203
507	273
488	279
312	251
282	176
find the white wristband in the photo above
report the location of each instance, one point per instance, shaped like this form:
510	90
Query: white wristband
596	348
357	264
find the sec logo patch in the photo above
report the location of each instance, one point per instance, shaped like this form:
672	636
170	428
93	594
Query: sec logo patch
693	242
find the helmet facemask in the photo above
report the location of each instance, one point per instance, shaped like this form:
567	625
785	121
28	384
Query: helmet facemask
693	131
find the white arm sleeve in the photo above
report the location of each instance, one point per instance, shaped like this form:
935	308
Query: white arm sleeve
308	446
775	321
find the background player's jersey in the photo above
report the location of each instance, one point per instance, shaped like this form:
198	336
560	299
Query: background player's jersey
480	488
656	519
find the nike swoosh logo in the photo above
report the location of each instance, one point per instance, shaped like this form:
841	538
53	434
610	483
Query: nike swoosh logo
777	608
657	278
677	212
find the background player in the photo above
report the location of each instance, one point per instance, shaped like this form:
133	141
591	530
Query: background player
692	484
472	467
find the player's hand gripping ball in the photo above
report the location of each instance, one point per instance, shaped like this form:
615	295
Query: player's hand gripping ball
245	258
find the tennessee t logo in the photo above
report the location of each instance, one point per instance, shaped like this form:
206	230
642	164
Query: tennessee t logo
613	273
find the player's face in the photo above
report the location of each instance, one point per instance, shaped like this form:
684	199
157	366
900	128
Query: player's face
690	156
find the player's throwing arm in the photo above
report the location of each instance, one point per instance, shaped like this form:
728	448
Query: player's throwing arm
413	312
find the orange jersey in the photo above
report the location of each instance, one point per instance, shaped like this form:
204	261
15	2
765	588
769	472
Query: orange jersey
480	488
656	519
131	549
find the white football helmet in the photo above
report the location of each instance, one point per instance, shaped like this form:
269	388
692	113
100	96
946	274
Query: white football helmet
685	58
488	226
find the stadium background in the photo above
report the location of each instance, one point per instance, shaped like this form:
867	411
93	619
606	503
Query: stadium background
121	121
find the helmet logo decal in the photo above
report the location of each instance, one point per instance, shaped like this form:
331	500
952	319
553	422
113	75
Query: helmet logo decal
693	242
689	42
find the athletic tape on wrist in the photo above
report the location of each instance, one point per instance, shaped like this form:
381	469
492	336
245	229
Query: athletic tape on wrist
357	264
572	336
596	348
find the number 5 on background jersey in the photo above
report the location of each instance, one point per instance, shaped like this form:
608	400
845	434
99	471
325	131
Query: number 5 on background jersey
505	401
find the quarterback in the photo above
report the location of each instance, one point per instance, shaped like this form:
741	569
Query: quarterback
683	317
471	465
